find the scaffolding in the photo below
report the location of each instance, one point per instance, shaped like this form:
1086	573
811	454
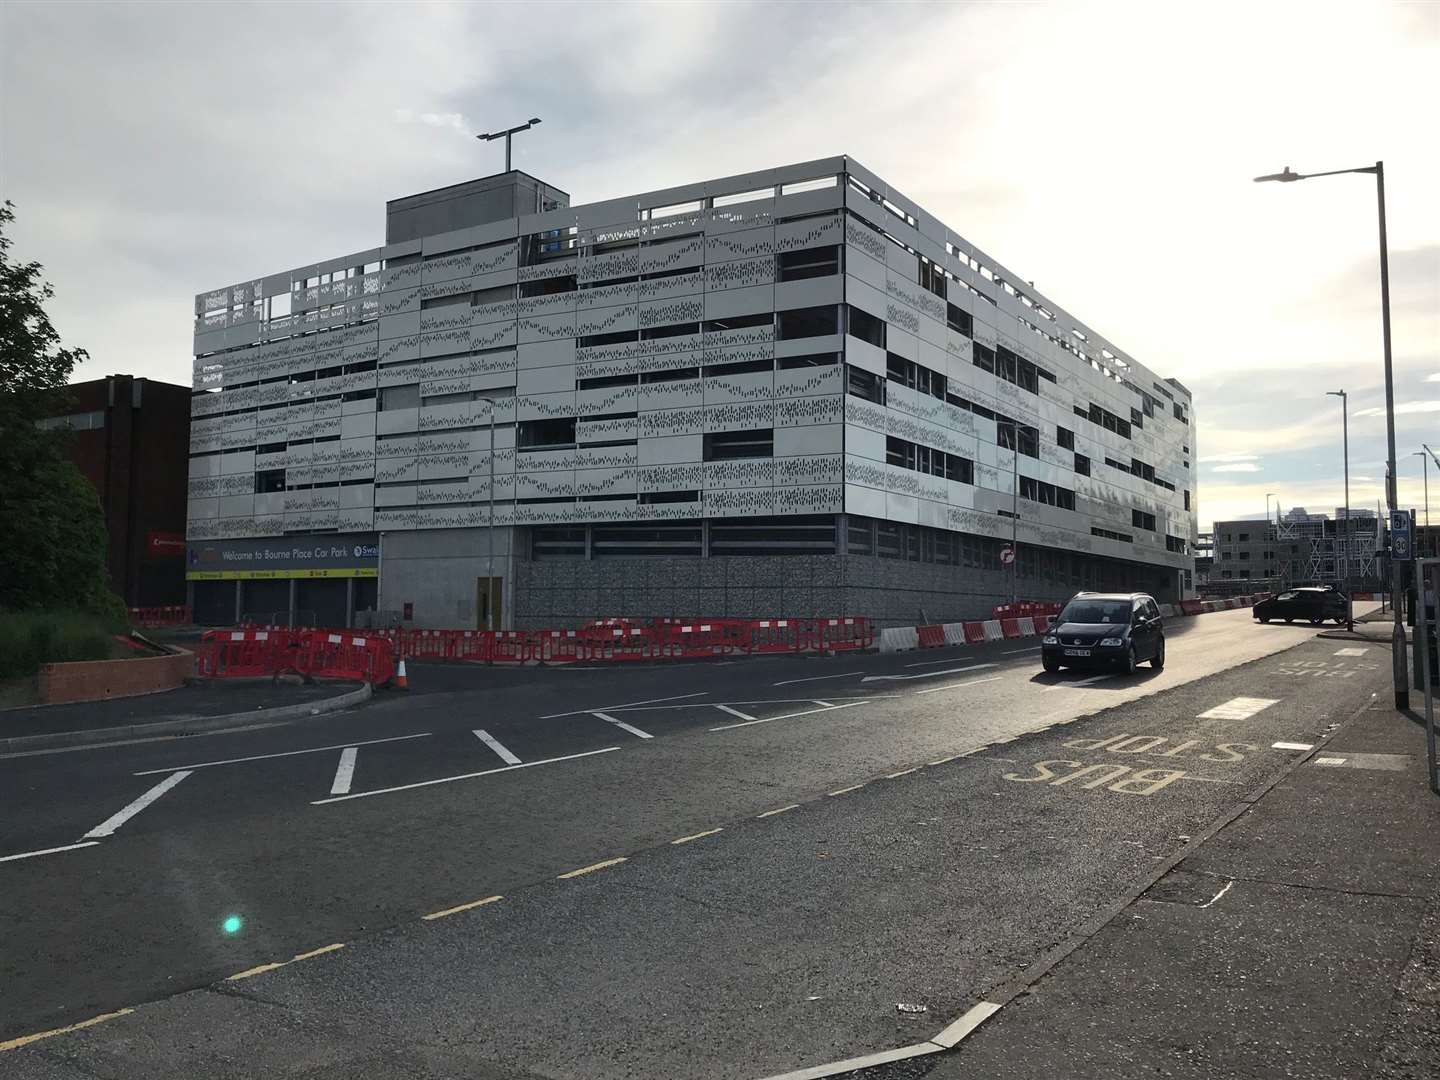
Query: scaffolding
1319	551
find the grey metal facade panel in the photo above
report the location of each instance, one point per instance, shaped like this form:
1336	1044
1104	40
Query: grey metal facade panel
393	339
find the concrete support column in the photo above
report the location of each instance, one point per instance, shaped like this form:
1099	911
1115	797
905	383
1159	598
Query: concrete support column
239	601
294	588
350	601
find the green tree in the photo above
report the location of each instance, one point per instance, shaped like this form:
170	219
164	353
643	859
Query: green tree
52	530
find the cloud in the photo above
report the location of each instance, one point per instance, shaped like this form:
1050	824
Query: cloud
1403	408
1229	457
1246	467
1433	378
437	120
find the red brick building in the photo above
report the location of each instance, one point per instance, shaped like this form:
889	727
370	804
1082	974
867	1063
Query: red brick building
131	439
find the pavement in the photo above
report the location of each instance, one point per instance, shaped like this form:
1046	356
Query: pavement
718	870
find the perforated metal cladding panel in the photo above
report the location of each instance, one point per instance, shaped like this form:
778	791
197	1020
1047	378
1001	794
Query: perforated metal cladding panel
669	337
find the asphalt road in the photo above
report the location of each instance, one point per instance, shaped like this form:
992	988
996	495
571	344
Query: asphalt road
800	846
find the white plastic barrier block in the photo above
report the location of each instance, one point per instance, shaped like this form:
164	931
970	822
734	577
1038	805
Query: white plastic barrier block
954	633
899	639
1169	610
1027	627
992	630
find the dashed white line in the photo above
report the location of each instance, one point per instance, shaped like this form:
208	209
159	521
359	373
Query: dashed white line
494	744
958	685
1021	652
817	678
788	716
628	705
902	772
734	712
1081	682
1350	652
932	663
1292	746
696	836
780	810
344	772
1240	708
48	851
926	674
623	726
110	824
847	790
463	776
287	753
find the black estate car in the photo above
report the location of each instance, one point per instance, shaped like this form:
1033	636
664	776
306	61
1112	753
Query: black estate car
1106	628
1316	604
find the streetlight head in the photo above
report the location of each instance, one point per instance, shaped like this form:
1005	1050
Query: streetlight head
1284	177
535	120
1335	393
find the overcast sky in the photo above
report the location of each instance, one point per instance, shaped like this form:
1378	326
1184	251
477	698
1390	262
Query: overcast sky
1103	150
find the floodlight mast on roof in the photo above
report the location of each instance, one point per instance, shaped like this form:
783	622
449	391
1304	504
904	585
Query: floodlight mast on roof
491	136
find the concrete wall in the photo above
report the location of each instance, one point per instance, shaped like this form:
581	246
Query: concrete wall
436	570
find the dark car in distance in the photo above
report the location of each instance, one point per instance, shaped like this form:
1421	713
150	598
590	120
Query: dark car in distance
1105	629
1316	604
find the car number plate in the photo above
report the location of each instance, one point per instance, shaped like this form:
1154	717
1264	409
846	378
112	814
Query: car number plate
1077	652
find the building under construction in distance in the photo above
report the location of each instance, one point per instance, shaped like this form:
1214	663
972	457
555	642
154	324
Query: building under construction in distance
1299	548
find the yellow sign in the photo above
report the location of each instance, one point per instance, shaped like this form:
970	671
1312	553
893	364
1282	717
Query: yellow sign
259	575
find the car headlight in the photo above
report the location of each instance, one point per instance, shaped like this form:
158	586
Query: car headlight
1113	641
1050	639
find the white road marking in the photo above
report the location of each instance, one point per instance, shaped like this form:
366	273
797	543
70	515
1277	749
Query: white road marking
1328	761
847	790
1081	682
827	704
494	744
967	1023
781	810
932	663
630	705
788	716
623	726
925	674
286	753
1212	780
344	772
1219	894
1240	708
817	678
902	772
464	776
696	836
1350	652
734	712
957	685
1292	746
1019	652
110	824
48	851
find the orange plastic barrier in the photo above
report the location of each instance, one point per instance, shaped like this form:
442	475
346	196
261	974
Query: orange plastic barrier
931	637
313	653
1010	627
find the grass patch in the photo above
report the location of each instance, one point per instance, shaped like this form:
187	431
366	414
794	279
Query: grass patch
31	638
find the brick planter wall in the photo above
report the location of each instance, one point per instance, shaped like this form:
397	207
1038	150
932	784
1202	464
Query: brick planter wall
96	680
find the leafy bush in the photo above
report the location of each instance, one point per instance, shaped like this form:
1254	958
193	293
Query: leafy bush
31	638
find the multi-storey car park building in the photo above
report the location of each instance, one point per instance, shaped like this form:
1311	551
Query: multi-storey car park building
790	392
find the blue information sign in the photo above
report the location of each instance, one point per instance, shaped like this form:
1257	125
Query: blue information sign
1400	534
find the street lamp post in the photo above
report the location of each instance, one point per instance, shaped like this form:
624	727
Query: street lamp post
1397	634
1276	547
1425	465
1345	551
490	540
491	136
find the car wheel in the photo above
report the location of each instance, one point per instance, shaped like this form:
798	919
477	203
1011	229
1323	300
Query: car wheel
1050	665
1158	660
1288	620
1264	618
1316	621
1129	662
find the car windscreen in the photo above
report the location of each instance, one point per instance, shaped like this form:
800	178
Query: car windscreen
1115	612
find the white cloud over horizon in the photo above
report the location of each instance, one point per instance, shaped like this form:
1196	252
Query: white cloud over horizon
1122	190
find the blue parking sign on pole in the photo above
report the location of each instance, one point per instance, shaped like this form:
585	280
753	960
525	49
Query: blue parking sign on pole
1400	535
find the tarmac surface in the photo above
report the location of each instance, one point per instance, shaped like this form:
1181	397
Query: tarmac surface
694	871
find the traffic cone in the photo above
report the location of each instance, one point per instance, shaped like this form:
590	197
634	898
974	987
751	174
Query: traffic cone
400	682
